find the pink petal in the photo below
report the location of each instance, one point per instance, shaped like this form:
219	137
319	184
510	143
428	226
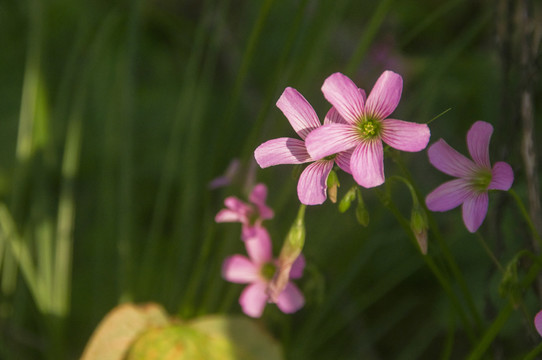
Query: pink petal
298	266
449	195
298	111
227	215
404	135
343	160
237	205
259	247
312	187
291	299
367	163
333	117
475	210
385	95
219	182
258	194
538	322
253	299
449	161
478	142
258	197
502	177
331	139
250	232
239	269
344	95
281	151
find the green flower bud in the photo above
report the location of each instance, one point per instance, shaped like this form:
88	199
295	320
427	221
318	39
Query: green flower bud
418	224
510	285
293	244
347	199
332	185
292	247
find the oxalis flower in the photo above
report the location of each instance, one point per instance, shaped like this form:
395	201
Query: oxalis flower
538	322
311	187
475	178
365	126
258	270
249	215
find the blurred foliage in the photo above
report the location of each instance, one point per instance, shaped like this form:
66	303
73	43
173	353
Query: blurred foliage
116	115
146	332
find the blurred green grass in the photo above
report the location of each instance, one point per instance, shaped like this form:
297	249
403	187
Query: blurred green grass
128	109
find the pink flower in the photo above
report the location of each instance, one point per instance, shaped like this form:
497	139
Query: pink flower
312	187
538	322
258	270
365	126
249	215
475	178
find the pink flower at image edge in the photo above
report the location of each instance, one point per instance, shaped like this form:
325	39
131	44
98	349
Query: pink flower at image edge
538	322
257	271
474	177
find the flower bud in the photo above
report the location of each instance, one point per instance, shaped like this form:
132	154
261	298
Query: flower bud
510	285
418	224
292	247
332	185
347	199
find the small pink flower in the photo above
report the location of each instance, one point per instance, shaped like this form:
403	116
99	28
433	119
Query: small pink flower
538	322
475	178
365	126
312	187
257	271
249	215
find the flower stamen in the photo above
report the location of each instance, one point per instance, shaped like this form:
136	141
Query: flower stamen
369	129
268	270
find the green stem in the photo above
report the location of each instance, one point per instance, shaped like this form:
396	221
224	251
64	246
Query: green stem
413	194
188	303
246	61
443	246
63	256
126	169
388	203
369	34
21	253
491	332
489	252
173	155
526	216
534	353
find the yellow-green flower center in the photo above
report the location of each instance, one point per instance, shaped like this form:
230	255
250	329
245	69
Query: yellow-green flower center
481	180
268	271
369	128
253	216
